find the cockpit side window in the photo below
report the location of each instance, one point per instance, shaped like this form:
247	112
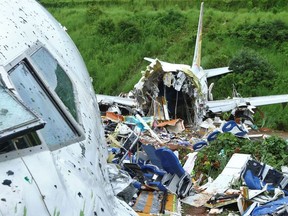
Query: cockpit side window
56	78
18	123
58	129
26	141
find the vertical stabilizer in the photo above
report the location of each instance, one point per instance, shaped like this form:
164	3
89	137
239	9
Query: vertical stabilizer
197	52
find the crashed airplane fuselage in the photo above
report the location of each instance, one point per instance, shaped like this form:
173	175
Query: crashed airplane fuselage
168	90
52	147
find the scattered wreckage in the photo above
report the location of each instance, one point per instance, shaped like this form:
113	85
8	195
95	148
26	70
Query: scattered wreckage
170	108
146	171
145	147
144	132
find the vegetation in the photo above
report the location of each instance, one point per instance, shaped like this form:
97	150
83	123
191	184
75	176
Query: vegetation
271	151
249	36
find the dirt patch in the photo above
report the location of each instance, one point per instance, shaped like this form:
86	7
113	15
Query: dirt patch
271	132
194	211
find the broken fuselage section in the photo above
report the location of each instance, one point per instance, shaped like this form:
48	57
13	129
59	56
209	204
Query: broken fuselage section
169	93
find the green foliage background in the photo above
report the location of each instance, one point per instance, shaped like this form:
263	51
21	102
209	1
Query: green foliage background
249	35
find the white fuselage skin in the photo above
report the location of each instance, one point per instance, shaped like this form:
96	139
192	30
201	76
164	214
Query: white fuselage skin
71	179
200	102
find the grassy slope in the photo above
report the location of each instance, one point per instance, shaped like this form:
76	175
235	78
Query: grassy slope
166	30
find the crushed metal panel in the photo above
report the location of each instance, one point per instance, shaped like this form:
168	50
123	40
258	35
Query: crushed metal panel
221	105
168	66
114	117
146	126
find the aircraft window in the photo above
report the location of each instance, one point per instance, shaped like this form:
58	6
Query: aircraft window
56	77
14	116
58	130
21	142
17	123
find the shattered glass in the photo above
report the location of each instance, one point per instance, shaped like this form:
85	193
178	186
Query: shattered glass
56	78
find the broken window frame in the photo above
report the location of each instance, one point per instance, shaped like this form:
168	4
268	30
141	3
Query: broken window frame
54	98
25	151
32	143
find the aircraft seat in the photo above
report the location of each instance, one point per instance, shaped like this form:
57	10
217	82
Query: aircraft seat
148	175
176	180
234	128
199	145
212	136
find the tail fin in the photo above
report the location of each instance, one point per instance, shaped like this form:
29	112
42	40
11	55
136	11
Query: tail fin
197	51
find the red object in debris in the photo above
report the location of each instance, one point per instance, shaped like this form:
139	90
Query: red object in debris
114	117
174	126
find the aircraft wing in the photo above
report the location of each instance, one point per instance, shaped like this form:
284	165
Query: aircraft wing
107	99
216	71
229	104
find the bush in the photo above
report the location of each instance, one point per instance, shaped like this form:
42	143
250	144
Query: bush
263	33
217	154
106	27
128	32
252	75
93	13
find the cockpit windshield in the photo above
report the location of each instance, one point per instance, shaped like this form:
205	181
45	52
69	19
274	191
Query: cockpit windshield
58	129
56	78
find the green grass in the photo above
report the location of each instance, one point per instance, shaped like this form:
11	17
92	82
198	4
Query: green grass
114	37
